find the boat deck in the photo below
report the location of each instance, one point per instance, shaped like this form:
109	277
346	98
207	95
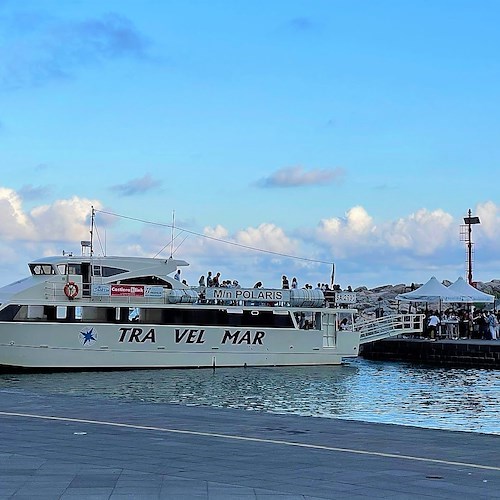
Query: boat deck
73	447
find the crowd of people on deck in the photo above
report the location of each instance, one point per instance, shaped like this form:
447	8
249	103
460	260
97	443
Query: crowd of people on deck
481	324
216	282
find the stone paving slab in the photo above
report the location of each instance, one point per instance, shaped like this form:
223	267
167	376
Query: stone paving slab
75	447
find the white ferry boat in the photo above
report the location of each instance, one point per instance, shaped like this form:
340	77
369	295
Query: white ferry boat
91	312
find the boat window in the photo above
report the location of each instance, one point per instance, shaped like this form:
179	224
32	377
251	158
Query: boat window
74	269
66	313
97	270
9	312
112	271
222	317
41	269
61	268
146	280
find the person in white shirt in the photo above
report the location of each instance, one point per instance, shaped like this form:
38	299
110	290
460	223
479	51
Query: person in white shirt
433	324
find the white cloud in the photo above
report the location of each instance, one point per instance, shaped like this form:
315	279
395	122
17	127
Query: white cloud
217	232
489	216
365	252
421	232
358	221
63	220
15	223
66	220
267	237
341	235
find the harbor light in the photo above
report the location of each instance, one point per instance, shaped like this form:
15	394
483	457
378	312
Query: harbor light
469	222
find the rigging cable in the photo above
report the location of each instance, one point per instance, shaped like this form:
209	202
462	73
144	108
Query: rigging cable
240	245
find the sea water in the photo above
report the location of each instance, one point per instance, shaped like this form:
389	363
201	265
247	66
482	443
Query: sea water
372	391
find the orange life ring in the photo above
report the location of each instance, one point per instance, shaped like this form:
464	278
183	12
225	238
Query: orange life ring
71	290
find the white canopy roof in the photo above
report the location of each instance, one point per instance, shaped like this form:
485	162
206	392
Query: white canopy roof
468	293
431	291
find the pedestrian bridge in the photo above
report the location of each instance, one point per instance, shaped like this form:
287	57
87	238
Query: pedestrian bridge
389	326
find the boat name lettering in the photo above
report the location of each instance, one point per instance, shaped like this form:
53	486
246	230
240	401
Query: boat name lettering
247	294
239	337
137	335
189	336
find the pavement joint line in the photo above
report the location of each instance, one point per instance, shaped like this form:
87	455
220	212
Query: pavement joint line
250	439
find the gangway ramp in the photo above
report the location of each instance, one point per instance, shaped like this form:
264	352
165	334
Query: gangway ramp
389	326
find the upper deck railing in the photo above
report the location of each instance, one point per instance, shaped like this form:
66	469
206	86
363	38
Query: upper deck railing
136	294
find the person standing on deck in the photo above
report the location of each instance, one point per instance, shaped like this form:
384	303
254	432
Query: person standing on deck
216	280
433	325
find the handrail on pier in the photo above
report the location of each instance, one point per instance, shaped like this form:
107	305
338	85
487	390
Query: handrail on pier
389	326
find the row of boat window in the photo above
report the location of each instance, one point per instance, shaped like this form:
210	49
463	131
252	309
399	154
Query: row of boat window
73	269
173	316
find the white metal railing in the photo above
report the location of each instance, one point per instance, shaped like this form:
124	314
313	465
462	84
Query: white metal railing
389	326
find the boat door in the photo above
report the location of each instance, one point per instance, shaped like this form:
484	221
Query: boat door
328	320
86	279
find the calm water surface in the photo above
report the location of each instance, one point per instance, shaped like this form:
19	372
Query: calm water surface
399	393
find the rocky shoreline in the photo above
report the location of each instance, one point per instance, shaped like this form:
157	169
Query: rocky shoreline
368	300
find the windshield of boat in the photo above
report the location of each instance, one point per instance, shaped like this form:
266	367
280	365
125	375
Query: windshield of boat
42	269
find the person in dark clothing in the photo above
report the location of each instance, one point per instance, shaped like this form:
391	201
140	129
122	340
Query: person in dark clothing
482	326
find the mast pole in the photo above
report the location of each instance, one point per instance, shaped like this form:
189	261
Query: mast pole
172	236
92	221
469	250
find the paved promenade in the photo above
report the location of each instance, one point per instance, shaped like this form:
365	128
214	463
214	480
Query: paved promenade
73	447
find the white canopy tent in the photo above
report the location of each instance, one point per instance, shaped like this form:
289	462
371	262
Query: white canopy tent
432	291
468	293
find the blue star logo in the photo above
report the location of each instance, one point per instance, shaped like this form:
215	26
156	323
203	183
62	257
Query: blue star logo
88	336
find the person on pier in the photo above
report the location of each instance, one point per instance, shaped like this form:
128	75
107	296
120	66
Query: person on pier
433	324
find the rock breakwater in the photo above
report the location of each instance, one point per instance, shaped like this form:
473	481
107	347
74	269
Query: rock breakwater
384	297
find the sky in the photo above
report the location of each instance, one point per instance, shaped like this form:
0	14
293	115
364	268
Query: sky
255	139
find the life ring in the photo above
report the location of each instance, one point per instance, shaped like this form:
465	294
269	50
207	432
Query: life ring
71	290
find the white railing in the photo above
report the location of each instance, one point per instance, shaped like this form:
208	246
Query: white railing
389	326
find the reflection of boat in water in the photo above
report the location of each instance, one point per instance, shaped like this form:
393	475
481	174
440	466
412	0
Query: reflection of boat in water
90	312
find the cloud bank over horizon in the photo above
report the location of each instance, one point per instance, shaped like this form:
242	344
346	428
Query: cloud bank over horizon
365	251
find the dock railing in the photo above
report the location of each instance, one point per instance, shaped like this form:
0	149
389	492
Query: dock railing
389	326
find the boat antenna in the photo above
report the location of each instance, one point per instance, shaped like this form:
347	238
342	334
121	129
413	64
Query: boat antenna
92	222
172	236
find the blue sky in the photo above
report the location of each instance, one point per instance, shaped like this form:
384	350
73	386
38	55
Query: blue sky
353	132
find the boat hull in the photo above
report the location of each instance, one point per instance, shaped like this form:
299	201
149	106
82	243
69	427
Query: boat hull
101	346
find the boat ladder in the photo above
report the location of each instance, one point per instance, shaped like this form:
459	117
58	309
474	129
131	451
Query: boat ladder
389	326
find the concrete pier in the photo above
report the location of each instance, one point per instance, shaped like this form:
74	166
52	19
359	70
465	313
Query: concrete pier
73	447
462	352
